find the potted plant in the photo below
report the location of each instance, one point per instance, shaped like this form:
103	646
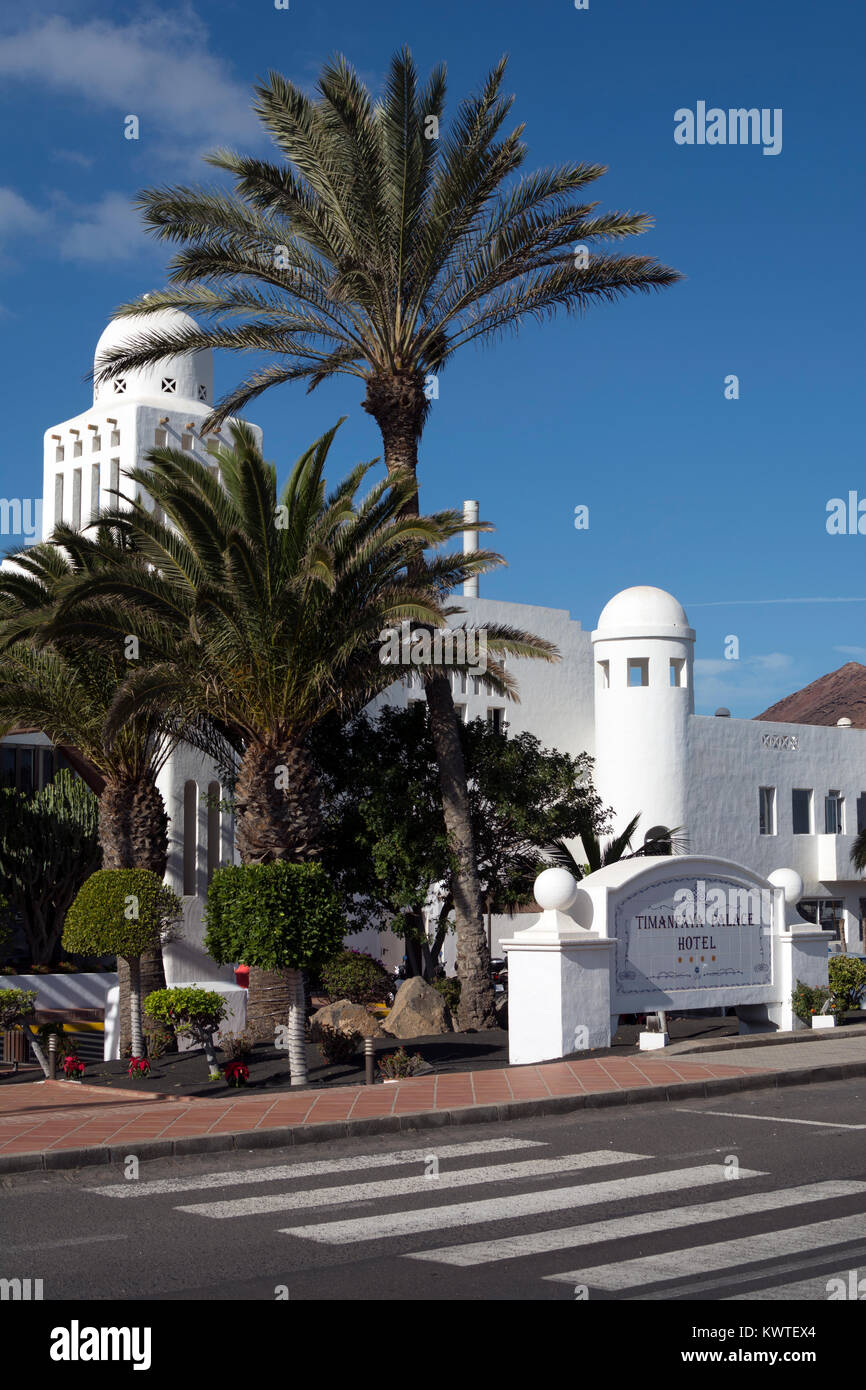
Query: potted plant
139	1067
73	1067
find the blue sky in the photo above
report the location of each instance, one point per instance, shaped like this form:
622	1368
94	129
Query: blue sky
721	501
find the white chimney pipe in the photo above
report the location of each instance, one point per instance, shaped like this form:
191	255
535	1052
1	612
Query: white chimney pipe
470	542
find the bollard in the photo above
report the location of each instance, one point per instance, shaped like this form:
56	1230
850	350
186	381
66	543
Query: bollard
52	1057
368	1061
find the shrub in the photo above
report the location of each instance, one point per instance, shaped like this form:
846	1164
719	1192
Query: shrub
73	1067
158	1040
236	1073
808	1000
138	1067
449	988
399	1064
336	1046
15	1005
237	1047
191	1011
847	981
355	976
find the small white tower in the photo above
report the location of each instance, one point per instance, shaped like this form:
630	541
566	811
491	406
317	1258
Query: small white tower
644	694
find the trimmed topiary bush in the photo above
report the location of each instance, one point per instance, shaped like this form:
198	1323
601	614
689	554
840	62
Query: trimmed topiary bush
276	917
356	976
195	1012
122	912
847	978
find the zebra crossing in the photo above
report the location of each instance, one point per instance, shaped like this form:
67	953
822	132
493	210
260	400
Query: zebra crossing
388	1204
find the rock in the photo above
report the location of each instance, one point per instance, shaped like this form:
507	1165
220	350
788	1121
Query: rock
419	1011
344	1017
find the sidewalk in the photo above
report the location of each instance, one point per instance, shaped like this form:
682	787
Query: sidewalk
63	1124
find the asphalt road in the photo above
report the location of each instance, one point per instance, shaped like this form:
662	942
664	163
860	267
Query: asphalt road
750	1197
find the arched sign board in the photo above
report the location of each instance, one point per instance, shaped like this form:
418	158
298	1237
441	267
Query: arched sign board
691	932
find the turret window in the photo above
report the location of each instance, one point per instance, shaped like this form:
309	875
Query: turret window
678	672
202	393
169	385
638	671
119	385
604	675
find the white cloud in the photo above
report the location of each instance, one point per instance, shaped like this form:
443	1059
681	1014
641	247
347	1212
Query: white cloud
156	67
753	681
16	214
856	652
110	231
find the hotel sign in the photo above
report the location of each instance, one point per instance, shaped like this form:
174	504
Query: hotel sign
682	935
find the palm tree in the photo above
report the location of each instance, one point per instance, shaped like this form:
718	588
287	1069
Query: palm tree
267	610
858	852
657	841
376	247
66	687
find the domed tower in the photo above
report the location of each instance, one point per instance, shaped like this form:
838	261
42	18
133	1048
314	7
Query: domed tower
167	403
644	693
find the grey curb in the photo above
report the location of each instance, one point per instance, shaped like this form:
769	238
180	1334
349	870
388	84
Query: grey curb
53	1159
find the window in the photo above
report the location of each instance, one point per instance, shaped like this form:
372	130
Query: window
202	393
458	682
114	479
76	449
638	671
767	810
460	711
213	828
604	675
26	769
833	813
190	837
95	478
186	442
76	498
59	454
160	438
58	497
115	439
826	913
678	672
119	385
169	385
861	812
496	718
97	444
801	811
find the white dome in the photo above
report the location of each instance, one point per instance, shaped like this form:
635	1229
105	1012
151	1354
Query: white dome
188	377
644	609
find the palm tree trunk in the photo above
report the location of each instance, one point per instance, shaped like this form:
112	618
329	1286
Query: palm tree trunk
399	407
135	1006
297	1029
278	810
133	834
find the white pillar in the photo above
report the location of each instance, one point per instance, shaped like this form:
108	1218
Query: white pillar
470	542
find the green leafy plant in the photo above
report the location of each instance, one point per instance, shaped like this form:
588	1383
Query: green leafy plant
277	917
847	978
15	1006
356	976
158	1040
73	1067
196	1013
399	1064
138	1069
808	1000
236	1073
449	988
122	912
336	1046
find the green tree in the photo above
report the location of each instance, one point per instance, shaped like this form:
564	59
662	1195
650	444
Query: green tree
387	844
377	245
658	841
122	912
267	609
48	846
195	1012
281	918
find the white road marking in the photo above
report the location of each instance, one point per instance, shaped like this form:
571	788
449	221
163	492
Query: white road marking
411	1187
283	1172
774	1119
61	1244
510	1208
727	1254
573	1237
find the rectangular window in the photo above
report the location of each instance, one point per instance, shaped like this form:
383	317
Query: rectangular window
115	438
826	913
495	717
186	442
861	812
114	480
767	810
458	682
26	769
160	438
833	813
638	671
678	672
97	444
76	449
76	498
801	811
460	711
7	765
604	675
95	478
58	497
59	454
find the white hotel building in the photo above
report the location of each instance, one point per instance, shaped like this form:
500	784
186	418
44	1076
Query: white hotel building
765	794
